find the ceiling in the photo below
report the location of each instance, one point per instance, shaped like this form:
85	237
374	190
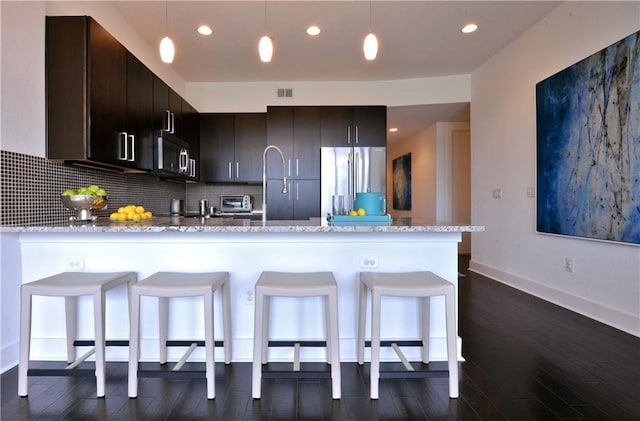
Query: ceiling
418	39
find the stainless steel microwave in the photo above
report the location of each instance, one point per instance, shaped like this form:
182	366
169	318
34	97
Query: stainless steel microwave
236	203
172	156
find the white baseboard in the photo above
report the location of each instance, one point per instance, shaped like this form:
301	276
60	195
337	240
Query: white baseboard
623	321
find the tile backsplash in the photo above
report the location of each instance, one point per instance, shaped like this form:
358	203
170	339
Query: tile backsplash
30	189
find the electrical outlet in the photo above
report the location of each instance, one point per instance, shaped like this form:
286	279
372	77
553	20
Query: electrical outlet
568	265
531	191
496	193
249	297
75	264
368	261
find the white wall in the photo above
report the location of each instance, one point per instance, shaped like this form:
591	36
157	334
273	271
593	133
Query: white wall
422	147
440	172
255	96
606	281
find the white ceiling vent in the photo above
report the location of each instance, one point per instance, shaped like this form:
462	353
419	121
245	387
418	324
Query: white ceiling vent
285	92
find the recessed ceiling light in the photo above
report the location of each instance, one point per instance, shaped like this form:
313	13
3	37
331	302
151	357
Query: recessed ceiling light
313	30
204	30
393	129
469	28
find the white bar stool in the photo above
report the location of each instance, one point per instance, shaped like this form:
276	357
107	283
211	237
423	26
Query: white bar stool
281	284
165	285
411	284
70	285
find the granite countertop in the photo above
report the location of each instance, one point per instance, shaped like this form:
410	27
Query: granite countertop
226	225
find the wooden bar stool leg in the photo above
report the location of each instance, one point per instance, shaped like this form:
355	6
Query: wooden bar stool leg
134	343
258	347
425	309
362	315
333	347
452	344
265	313
328	324
71	324
376	303
99	327
163	325
226	321
25	342
209	345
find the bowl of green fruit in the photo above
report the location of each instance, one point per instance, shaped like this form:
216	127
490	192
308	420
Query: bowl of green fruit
84	201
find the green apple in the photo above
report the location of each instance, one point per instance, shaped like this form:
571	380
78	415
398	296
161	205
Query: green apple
69	192
93	189
101	192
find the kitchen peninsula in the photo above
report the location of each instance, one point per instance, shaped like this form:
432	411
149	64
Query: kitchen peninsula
244	248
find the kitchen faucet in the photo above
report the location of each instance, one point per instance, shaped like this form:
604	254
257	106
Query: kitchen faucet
264	178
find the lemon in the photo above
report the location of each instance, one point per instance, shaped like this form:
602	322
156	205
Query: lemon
139	209
353	213
114	216
362	212
122	210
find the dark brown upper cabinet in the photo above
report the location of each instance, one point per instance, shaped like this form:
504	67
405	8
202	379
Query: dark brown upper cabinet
296	131
92	111
354	126
231	146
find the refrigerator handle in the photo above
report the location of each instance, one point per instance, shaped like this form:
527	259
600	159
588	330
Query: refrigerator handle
356	173
350	175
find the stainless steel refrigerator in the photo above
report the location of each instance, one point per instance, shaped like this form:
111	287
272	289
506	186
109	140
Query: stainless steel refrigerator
349	170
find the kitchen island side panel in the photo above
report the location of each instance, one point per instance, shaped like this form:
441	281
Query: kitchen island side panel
244	256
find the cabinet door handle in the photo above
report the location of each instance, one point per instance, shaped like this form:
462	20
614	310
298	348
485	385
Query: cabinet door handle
289	171
356	140
192	167
184	161
289	190
349	135
230	174
122	146
237	169
167	126
297	167
173	123
297	191
132	138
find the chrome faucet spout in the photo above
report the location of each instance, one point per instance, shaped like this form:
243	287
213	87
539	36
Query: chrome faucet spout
264	178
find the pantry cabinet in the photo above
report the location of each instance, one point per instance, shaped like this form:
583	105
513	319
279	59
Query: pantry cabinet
296	131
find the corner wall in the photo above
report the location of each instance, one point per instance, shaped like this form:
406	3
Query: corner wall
606	281
422	147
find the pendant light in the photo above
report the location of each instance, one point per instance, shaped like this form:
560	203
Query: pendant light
167	50
370	46
265	46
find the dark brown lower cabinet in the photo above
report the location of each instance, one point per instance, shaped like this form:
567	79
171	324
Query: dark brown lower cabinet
302	200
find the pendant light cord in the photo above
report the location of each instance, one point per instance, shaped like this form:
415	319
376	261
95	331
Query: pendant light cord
166	17
369	16
265	16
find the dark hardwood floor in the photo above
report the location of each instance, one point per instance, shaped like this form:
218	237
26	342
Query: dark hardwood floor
526	359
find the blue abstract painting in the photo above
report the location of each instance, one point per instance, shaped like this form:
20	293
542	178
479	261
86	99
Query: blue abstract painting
588	147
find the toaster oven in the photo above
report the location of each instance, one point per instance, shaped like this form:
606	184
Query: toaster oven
236	203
